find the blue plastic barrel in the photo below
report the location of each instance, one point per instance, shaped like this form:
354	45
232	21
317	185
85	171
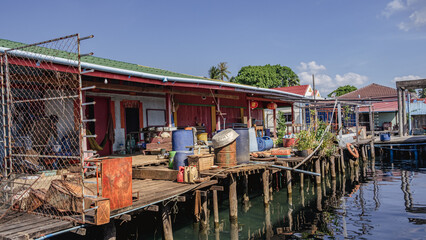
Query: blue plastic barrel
385	137
181	159
267	132
181	139
264	143
243	145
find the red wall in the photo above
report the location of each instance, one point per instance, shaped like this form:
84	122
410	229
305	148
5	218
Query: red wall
189	115
101	115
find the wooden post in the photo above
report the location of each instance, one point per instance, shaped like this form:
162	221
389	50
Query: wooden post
302	190
249	123
364	156
215	210
342	160
234	230
333	167
167	222
400	125
322	168
339	119
318	170
233	201
373	152
245	189
357	123
275	123
288	180
404	112
265	179
204	211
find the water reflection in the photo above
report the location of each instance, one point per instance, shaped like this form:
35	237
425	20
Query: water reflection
370	200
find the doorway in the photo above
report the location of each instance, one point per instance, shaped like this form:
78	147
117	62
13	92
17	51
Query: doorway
132	120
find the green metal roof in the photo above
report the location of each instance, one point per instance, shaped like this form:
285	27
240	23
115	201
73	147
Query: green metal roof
103	61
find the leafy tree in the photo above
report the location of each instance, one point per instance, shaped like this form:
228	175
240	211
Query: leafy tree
214	73
223	70
268	76
343	90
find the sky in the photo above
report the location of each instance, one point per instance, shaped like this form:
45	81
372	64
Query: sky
340	41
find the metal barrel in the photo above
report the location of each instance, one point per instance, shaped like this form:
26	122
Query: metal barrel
226	156
243	145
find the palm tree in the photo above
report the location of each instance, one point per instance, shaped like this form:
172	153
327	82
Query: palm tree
223	70
214	73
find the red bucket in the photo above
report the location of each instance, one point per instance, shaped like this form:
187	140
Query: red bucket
289	142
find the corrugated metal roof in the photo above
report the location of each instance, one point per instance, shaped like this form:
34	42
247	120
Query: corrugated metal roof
382	107
299	90
372	91
106	62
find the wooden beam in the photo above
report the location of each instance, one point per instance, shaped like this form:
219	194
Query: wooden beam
155	173
411	84
138	89
266	100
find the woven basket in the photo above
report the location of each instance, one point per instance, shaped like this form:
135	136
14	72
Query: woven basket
201	161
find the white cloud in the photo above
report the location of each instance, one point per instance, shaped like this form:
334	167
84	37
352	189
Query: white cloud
312	66
408	77
324	82
394	6
415	13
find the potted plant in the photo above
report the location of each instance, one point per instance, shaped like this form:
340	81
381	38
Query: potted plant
305	142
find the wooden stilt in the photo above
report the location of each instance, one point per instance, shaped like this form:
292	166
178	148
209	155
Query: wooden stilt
317	170
333	167
215	210
167	222
288	180
322	168
342	160
245	188
271	197
265	179
204	211
373	152
233	201
364	156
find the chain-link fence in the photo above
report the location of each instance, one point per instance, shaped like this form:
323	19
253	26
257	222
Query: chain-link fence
41	132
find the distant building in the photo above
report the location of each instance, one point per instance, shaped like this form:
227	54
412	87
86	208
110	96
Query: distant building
417	110
385	111
294	115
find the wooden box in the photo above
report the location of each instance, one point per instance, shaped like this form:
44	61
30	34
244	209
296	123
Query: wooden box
201	161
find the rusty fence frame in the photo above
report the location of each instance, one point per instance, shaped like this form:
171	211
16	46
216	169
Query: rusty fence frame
43	58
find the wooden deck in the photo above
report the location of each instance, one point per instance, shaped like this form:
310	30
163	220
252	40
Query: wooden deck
28	226
402	140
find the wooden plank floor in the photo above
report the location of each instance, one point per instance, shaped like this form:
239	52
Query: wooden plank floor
17	225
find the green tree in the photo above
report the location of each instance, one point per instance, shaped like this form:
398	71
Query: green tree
268	76
223	70
214	73
343	90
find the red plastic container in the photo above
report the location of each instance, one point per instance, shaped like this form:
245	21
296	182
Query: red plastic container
180	174
289	142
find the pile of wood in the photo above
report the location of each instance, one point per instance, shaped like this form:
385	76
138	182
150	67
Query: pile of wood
159	142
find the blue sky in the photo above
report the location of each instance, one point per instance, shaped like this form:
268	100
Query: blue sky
340	41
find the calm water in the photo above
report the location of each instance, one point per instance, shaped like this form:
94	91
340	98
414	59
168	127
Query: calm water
382	202
373	201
